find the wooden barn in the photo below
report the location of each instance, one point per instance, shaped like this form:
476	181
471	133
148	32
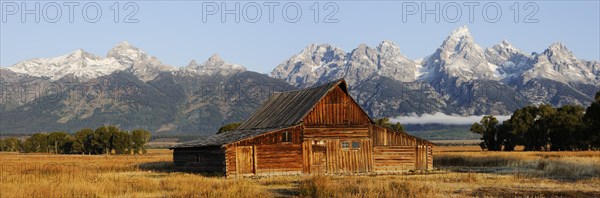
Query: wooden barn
314	130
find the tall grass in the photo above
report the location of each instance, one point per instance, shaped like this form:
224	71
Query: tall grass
567	165
153	175
326	186
35	175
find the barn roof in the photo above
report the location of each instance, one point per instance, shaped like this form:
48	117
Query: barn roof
224	138
288	108
281	110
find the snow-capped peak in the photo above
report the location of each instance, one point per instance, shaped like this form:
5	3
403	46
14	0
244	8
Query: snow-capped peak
460	33
85	66
558	49
460	57
214	65
506	45
192	63
78	63
126	53
388	46
460	39
80	54
215	58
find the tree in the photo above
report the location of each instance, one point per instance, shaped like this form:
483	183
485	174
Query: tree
229	127
60	142
592	123
382	121
520	124
506	137
101	141
565	129
139	137
11	144
387	123
538	134
121	142
82	142
36	143
487	128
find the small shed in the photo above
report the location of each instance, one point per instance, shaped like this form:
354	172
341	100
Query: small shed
315	130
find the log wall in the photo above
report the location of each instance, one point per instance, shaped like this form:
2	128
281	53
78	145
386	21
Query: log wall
328	156
336	132
397	151
202	159
270	155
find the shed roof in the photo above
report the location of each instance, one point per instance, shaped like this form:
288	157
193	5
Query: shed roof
224	138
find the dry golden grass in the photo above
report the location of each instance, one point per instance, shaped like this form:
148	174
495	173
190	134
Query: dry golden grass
460	174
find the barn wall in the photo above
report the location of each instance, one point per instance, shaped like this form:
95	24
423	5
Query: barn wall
200	159
396	151
328	156
336	132
385	137
269	154
336	108
394	158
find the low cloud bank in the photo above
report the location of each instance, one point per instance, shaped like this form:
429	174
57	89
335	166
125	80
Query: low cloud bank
441	118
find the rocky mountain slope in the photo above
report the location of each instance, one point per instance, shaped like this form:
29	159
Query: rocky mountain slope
130	88
460	77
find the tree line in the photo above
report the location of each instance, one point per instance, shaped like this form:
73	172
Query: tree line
544	128
103	140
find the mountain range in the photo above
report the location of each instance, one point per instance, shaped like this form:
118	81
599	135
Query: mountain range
132	89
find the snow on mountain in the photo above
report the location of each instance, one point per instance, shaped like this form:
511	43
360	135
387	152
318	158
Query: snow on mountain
558	63
142	65
318	63
510	60
460	57
213	66
80	63
86	66
310	65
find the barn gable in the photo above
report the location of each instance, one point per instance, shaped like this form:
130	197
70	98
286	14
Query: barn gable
337	108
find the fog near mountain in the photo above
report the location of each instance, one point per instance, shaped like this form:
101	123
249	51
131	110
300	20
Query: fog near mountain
441	118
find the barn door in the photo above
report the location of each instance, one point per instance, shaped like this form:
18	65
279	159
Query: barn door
319	158
244	160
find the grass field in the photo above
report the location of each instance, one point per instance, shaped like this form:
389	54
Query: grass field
460	172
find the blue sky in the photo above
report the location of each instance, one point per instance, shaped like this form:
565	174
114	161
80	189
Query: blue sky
175	32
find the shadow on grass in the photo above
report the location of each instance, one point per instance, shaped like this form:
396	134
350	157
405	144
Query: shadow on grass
503	192
169	167
548	168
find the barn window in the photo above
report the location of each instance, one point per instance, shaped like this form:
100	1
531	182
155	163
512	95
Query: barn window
345	145
286	137
355	145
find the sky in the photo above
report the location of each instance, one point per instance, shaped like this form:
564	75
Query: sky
268	33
